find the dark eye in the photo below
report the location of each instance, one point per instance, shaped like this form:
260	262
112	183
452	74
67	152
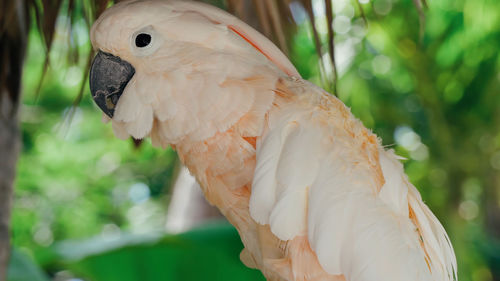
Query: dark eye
142	40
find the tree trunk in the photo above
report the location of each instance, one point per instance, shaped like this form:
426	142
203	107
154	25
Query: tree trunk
13	35
9	147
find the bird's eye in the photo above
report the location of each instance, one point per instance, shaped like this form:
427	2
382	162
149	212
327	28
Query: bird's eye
145	41
142	40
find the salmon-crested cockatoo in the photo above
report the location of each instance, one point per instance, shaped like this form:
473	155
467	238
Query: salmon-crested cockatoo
311	191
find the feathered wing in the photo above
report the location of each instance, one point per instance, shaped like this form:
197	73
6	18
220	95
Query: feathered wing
318	174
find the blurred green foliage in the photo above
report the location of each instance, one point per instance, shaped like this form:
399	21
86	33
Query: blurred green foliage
22	268
433	98
207	253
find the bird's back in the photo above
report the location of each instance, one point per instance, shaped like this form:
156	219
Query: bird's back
321	174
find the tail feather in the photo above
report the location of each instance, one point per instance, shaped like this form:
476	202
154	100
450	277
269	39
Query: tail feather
434	239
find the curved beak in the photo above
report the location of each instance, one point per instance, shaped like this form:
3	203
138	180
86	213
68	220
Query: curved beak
109	76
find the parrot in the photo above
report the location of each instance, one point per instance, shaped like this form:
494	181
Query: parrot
313	193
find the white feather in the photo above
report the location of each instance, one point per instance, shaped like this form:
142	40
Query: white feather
119	129
391	192
141	126
264	180
129	105
316	179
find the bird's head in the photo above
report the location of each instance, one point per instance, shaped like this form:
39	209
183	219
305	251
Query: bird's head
176	69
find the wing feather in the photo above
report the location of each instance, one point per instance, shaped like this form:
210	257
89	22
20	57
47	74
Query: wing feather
314	176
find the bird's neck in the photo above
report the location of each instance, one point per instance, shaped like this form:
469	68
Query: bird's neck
225	162
223	165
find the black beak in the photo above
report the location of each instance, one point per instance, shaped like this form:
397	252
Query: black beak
109	76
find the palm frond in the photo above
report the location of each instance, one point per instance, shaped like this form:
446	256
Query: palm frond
420	5
277	24
361	12
331	42
317	41
46	24
14	35
260	8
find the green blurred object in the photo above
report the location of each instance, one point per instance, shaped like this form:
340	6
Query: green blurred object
22	268
208	253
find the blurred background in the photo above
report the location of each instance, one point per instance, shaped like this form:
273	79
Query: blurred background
424	76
